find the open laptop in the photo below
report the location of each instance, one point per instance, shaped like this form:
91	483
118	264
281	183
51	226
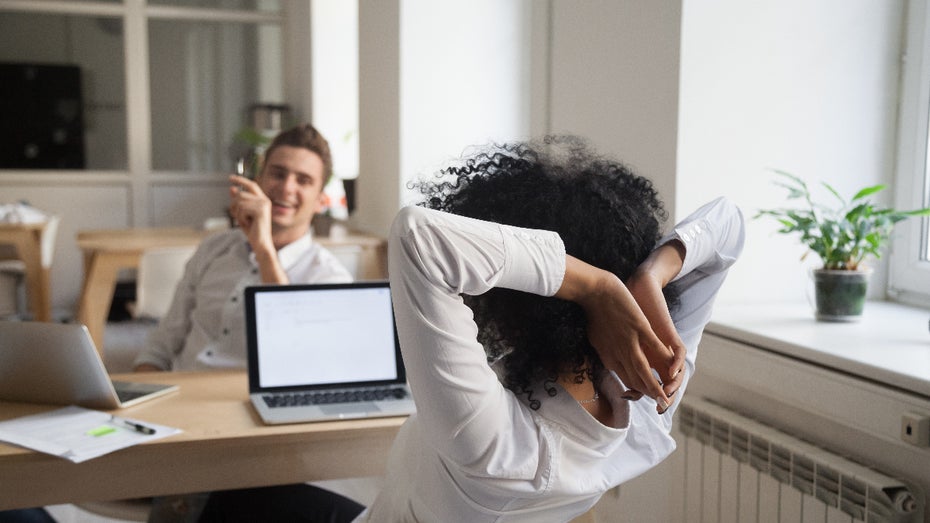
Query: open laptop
58	363
323	352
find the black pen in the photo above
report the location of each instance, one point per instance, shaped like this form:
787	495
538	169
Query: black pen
138	427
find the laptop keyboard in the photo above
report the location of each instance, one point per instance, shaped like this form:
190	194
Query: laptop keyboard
301	399
129	395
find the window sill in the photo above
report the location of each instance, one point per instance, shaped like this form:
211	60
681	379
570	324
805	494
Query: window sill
889	346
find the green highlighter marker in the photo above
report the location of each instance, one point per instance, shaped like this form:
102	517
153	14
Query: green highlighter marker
102	430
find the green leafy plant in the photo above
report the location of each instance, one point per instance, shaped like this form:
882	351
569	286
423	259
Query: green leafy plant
255	144
842	235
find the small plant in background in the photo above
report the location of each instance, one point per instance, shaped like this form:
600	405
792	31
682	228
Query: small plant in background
248	162
842	235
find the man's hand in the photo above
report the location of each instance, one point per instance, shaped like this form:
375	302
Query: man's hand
250	207
251	210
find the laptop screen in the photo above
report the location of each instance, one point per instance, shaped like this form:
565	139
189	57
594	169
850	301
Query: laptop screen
318	336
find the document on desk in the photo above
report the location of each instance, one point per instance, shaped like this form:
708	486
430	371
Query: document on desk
78	434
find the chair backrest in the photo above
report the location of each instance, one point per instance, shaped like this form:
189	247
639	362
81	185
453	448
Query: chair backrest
47	244
216	223
159	272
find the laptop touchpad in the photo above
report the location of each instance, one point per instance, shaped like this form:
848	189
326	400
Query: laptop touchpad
350	408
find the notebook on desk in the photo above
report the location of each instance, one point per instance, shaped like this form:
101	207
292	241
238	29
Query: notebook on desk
58	363
324	352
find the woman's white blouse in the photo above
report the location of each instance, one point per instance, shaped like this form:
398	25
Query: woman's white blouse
476	452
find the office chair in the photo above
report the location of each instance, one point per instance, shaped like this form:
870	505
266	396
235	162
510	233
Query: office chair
158	274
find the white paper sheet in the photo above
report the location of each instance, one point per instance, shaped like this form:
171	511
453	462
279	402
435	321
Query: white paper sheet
78	434
21	213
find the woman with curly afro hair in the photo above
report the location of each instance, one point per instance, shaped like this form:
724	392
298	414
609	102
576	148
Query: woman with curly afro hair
548	326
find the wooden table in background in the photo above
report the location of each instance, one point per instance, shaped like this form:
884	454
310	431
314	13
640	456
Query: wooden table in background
108	251
372	256
27	238
224	445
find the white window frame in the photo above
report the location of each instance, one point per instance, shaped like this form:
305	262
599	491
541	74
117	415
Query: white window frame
909	270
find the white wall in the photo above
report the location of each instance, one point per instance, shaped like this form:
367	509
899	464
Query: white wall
808	87
462	80
334	30
490	70
614	80
379	114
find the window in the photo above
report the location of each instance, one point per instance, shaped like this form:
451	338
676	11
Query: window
64	91
204	76
909	276
335	81
159	85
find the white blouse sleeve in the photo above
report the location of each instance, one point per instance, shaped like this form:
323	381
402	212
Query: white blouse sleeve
713	237
434	257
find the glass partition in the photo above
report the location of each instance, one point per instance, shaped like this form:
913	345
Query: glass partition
204	77
63	83
264	6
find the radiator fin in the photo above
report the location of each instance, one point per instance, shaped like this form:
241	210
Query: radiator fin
838	482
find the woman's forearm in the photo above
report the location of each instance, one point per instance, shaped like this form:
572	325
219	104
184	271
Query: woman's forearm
619	330
664	263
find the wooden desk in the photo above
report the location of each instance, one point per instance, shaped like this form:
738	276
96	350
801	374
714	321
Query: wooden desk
223	445
27	238
106	252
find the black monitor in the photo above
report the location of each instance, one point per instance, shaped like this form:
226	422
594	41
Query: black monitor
41	116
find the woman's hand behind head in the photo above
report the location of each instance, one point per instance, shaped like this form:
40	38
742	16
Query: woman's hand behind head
619	330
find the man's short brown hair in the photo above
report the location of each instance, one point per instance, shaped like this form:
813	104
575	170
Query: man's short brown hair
307	137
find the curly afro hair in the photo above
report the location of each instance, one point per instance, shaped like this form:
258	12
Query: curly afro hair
605	214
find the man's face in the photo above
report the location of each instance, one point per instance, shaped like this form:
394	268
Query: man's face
292	178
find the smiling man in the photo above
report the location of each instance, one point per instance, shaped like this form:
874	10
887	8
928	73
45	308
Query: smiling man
204	326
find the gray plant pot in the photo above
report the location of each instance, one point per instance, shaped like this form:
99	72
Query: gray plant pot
840	295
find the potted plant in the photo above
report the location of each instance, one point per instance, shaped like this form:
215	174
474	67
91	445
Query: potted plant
843	236
249	161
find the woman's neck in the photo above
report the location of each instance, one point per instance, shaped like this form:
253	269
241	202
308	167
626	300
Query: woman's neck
586	394
583	390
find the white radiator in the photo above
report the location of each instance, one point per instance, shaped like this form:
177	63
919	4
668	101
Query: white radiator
739	470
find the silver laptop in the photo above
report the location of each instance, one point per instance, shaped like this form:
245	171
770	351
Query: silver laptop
57	363
324	352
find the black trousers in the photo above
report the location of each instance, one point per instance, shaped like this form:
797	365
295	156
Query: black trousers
285	503
26	515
